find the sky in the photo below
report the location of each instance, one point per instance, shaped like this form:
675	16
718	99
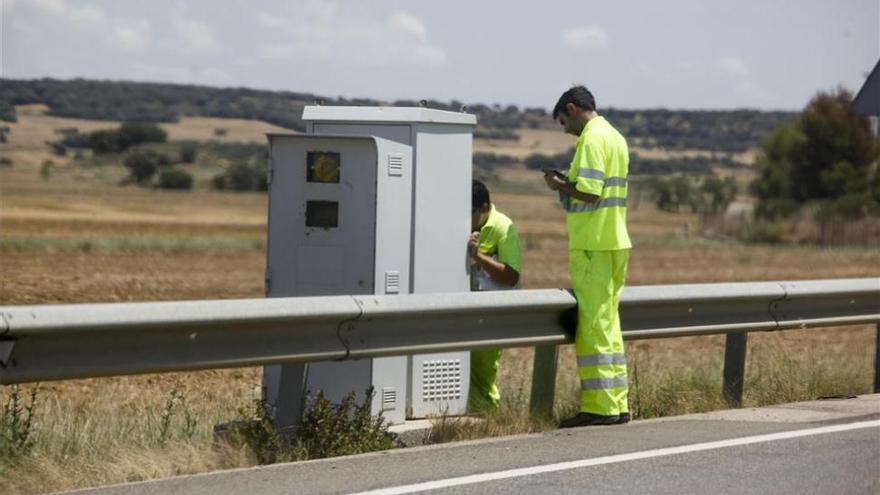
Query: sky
769	55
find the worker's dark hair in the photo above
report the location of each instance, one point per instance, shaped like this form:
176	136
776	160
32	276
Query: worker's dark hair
579	95
479	196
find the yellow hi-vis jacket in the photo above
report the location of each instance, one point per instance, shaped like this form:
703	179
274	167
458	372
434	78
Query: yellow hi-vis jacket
600	167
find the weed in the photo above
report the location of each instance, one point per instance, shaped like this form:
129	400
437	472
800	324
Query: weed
176	401
17	423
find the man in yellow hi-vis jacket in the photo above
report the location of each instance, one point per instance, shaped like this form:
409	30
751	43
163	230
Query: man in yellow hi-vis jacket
497	263
593	193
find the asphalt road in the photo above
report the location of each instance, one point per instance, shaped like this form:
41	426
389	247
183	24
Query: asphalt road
811	447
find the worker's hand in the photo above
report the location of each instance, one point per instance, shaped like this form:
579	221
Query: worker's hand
473	245
553	182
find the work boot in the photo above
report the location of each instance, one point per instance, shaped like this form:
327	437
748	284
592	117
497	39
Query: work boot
623	419
589	419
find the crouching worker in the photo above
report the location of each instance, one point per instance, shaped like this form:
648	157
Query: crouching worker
496	265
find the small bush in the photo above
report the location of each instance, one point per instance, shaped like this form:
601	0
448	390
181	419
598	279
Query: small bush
188	152
326	430
46	169
219	182
329	430
219	132
175	178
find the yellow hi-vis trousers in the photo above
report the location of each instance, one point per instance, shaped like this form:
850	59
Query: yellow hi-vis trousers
597	278
484	394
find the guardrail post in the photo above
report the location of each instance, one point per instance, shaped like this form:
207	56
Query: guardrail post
544	380
734	368
877	362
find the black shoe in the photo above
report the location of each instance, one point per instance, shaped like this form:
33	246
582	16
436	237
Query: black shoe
623	419
589	419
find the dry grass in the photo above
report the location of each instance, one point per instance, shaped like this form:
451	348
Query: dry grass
35	127
131	433
78	238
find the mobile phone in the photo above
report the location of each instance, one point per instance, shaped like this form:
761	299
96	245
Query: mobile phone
553	171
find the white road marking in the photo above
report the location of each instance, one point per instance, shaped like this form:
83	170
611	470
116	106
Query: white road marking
611	459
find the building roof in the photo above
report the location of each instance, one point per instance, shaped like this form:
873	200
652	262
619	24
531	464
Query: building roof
867	102
386	114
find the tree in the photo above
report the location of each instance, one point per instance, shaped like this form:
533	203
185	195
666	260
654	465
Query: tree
103	141
828	153
141	166
718	193
661	189
684	194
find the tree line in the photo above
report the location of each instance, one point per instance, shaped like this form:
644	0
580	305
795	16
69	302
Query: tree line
729	131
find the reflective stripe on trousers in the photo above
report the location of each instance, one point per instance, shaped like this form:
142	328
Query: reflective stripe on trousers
597	359
597	278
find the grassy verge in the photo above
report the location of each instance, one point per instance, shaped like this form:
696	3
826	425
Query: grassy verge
776	372
155	426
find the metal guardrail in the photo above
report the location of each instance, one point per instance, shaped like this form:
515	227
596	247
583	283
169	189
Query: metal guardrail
49	342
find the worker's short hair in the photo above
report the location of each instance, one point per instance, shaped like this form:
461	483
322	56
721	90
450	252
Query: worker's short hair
580	96
479	196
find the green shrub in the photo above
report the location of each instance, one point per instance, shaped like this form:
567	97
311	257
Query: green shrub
219	181
175	178
188	152
326	430
46	169
142	165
